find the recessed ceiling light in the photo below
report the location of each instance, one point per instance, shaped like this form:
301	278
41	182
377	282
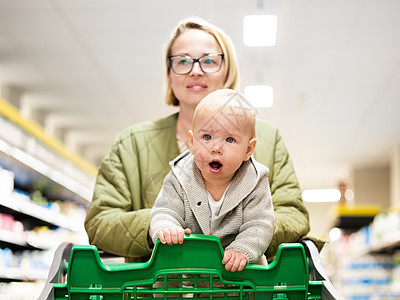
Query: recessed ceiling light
335	234
321	195
260	30
259	95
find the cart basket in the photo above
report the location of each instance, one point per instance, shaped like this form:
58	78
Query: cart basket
193	269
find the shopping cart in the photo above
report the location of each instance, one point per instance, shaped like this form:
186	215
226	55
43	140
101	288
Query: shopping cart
189	270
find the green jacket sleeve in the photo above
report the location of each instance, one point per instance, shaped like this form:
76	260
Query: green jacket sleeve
291	216
129	180
112	223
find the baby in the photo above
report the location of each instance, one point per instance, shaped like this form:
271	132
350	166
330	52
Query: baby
217	188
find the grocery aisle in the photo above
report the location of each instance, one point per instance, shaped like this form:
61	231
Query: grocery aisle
364	263
43	202
73	74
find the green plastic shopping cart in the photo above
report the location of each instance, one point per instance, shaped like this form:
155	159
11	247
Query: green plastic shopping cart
189	270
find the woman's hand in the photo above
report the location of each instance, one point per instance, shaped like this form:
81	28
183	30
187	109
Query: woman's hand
234	261
172	235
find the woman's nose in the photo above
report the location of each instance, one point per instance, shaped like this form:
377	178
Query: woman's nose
196	69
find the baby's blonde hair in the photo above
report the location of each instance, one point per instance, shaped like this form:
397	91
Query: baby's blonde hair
231	104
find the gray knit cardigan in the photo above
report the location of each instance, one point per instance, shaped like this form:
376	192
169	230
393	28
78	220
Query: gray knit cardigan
246	219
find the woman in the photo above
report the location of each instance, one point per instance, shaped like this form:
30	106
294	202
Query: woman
200	59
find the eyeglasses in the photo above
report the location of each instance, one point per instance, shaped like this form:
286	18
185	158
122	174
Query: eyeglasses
183	64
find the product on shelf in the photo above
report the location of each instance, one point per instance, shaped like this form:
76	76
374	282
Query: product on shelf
385	229
367	277
396	273
366	262
20	290
6	182
43	200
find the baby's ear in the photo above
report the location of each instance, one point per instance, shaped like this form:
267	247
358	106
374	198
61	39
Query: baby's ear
190	133
250	148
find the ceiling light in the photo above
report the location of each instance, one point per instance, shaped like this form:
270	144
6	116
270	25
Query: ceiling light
321	195
335	234
260	30
259	95
349	195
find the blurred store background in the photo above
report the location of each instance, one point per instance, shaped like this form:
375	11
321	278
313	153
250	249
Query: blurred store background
75	73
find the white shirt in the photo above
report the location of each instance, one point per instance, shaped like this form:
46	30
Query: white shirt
215	206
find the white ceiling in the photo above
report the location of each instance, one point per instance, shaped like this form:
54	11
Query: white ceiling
87	69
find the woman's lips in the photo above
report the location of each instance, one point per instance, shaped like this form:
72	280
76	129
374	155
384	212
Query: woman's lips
196	86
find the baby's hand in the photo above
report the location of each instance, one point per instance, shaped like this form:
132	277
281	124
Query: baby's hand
172	235
234	261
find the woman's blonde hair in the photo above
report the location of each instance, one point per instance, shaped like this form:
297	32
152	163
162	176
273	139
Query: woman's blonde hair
230	104
231	66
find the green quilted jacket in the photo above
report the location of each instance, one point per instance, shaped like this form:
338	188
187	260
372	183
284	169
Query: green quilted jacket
132	173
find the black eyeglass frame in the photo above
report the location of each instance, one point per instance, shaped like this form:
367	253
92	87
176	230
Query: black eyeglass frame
194	60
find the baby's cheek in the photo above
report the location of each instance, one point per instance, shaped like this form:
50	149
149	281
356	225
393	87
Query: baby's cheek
200	160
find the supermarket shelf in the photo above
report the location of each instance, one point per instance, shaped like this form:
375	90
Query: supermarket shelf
19	204
16	274
354	217
15	241
44	168
389	245
22	241
10	112
63	181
